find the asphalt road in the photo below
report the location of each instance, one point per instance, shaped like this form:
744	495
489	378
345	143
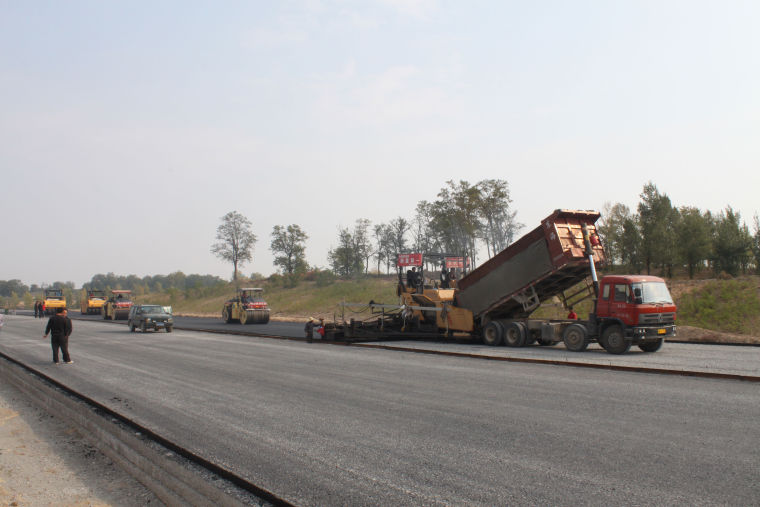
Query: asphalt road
290	329
332	425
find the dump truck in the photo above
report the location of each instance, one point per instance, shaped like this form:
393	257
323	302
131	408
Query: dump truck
54	299
117	306
92	301
495	301
247	307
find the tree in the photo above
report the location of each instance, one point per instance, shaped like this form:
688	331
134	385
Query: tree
235	241
656	218
345	259
398	227
756	243
610	229
288	247
630	242
732	243
383	239
499	224
10	286
456	219
693	231
420	227
362	241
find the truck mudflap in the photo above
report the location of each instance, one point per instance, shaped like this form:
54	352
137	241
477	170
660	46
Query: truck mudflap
644	333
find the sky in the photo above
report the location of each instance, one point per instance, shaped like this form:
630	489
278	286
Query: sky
129	128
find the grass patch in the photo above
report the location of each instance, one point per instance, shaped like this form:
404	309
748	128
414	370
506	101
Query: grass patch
722	305
305	299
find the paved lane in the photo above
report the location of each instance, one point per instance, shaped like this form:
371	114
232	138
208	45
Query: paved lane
725	359
274	328
326	425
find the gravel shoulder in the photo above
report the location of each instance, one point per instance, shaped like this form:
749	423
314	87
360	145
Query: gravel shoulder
45	461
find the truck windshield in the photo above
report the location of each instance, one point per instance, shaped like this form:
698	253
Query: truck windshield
652	292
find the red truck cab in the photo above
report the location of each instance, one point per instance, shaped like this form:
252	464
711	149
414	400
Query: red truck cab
636	309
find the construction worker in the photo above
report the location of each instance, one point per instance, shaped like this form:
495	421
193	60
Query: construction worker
309	330
444	278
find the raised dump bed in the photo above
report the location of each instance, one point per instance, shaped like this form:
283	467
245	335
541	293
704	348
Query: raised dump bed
546	262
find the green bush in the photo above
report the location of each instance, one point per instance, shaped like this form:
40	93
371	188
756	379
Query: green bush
324	278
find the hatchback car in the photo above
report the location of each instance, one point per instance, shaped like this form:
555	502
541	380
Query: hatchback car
153	317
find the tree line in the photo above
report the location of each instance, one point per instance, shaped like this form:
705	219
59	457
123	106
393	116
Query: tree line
659	237
15	290
466	219
656	237
462	218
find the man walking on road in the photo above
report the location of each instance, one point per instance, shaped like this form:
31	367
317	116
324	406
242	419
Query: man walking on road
59	328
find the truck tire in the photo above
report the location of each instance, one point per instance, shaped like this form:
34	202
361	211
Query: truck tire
226	315
614	341
132	328
169	329
575	337
244	317
652	346
514	335
493	334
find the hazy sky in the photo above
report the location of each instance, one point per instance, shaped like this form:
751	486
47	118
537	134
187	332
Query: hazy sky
128	129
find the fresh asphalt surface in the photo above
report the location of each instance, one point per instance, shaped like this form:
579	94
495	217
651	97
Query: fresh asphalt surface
291	329
318	424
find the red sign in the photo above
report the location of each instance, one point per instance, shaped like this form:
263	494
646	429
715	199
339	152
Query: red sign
414	259
454	262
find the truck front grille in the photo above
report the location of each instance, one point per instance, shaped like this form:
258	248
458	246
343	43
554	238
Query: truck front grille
654	319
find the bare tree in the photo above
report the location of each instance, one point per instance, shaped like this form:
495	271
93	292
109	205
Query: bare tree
235	240
499	225
362	241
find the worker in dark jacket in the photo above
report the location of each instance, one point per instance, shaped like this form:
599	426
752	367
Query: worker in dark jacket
309	330
444	278
59	329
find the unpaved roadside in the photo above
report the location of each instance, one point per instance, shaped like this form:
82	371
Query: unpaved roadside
45	461
698	335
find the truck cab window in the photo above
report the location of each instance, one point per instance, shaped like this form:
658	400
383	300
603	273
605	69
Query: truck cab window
621	293
606	292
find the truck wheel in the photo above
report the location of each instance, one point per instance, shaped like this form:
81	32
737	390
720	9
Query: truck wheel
575	337
493	334
243	317
652	346
613	340
264	320
514	335
226	316
169	329
132	327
